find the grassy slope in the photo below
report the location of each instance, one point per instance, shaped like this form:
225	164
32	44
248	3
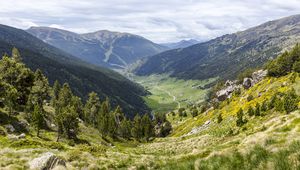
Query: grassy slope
266	142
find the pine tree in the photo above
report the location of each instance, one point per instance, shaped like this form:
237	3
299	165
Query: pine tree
147	127
125	128
38	118
136	130
40	88
240	120
70	122
290	101
264	106
220	118
55	93
64	101
103	117
257	109
92	109
16	55
251	111
16	77
194	112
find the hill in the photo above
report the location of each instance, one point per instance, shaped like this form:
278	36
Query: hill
82	77
227	55
104	48
181	44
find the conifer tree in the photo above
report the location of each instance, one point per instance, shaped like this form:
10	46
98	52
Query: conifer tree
240	120
64	101
40	88
55	93
220	118
257	110
16	55
136	130
38	118
70	122
103	117
125	128
290	101
251	111
92	109
147	127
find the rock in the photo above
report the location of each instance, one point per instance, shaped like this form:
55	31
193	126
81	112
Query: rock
16	137
9	128
227	91
259	75
22	136
47	161
247	83
21	126
12	137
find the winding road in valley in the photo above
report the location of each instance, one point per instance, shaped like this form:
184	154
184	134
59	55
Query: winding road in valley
169	94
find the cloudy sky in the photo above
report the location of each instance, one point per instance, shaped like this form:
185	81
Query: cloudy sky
157	20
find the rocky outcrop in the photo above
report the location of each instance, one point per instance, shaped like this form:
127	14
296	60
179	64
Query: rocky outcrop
255	78
259	76
16	137
230	87
47	161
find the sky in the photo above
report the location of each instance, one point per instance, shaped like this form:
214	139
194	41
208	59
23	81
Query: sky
158	20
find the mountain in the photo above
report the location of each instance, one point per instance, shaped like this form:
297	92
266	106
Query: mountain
181	44
104	48
82	77
228	55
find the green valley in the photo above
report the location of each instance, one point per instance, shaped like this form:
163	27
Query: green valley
167	94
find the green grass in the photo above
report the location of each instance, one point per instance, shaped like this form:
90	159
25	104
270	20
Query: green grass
169	93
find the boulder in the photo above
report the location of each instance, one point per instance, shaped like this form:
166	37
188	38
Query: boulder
16	137
47	161
247	83
259	75
9	128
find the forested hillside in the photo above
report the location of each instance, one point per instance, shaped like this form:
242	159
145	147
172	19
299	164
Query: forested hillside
82	77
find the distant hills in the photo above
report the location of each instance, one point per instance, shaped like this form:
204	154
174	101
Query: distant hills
104	48
228	55
181	44
82	77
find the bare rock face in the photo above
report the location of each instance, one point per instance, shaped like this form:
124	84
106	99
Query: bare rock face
259	75
47	161
226	92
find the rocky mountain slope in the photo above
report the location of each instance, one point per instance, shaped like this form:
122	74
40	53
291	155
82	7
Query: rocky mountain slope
83	77
104	48
181	44
227	55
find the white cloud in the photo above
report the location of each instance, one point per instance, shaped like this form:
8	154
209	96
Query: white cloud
160	21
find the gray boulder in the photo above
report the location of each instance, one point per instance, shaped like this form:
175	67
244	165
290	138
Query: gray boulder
47	161
247	83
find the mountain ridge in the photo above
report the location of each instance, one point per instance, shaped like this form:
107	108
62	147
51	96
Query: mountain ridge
103	47
227	55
